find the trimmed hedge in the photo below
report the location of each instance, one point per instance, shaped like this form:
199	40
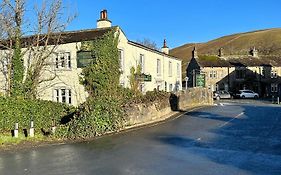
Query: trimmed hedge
14	110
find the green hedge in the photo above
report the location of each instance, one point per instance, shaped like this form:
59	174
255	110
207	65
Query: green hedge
23	111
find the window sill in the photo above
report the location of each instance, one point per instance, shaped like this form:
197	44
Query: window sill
61	69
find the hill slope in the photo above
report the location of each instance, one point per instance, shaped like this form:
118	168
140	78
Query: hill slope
268	42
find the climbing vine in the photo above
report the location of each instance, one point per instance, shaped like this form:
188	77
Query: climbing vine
102	111
18	67
134	80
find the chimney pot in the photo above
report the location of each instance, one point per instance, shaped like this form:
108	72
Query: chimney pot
103	22
165	48
103	15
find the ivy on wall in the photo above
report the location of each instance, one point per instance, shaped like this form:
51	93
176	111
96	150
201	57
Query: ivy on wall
102	112
18	68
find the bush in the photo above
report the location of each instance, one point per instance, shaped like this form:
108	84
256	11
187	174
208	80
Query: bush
14	110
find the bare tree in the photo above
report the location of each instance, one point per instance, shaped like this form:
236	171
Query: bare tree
148	43
27	57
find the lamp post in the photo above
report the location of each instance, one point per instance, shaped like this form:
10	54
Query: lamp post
186	80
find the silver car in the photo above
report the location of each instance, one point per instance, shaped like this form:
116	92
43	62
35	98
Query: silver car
247	94
221	94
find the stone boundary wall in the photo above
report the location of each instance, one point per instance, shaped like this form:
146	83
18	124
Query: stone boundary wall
194	97
143	114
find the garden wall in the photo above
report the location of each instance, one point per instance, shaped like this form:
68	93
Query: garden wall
142	114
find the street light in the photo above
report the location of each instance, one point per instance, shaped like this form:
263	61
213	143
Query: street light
186	80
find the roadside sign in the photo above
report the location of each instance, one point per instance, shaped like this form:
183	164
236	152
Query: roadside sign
200	80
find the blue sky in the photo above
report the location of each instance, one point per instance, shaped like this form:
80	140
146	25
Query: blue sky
179	21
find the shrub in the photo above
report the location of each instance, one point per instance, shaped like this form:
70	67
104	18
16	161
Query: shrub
21	110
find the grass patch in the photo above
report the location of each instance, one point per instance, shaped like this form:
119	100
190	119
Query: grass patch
7	139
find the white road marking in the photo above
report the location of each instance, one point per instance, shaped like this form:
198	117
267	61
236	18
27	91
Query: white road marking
237	116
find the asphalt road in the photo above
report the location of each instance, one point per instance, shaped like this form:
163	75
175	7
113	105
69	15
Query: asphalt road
229	138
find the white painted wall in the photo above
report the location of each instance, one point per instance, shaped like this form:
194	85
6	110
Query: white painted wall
132	59
68	78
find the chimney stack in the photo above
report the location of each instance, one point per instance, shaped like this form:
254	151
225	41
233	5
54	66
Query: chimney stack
254	52
221	54
165	48
103	22
194	52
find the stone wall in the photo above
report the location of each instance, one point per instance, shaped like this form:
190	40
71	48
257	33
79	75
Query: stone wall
193	97
142	114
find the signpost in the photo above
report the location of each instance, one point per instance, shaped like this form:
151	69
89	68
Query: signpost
144	77
200	80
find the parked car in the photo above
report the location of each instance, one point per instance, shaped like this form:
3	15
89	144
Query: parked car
247	94
221	94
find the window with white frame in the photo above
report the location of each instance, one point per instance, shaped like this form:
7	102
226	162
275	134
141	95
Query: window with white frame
213	74
63	95
178	69
158	67
274	87
142	63
121	59
63	60
274	74
170	68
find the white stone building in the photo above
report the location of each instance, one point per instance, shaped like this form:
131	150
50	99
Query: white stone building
165	70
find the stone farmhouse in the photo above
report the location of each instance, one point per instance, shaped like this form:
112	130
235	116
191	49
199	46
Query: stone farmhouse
162	71
235	72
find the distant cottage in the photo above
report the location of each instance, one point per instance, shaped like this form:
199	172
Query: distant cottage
232	73
164	70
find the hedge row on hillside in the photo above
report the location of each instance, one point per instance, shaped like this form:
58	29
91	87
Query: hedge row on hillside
23	111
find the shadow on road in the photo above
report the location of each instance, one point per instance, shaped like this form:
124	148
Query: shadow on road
251	142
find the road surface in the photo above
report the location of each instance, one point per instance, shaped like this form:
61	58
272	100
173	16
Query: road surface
229	138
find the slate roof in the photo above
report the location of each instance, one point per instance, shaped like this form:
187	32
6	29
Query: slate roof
83	35
68	36
152	50
247	61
